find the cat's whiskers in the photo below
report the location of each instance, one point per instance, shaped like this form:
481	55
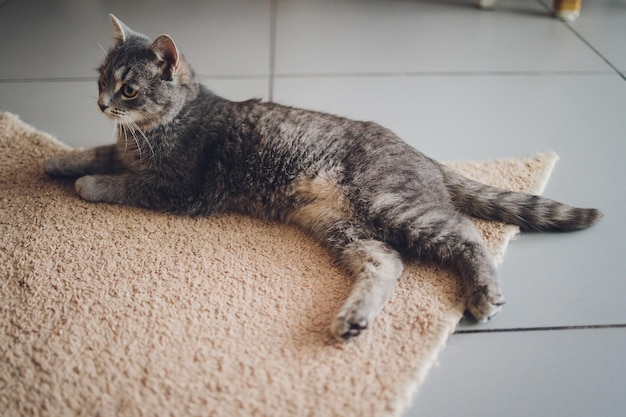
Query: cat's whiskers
120	125
128	123
135	131
116	130
138	129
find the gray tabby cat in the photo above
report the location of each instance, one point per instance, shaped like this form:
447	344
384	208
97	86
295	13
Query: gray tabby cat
368	197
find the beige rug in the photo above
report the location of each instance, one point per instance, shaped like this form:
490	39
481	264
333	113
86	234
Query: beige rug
115	311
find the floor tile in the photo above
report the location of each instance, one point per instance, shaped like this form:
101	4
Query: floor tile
520	374
424	36
547	279
61	39
67	109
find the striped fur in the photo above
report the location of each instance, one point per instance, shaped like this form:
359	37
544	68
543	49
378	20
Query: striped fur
364	194
530	212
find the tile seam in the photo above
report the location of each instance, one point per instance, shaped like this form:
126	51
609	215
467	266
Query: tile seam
272	51
542	329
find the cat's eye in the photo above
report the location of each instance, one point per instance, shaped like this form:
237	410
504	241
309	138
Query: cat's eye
128	92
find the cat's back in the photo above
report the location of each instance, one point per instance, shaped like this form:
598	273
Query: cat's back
284	131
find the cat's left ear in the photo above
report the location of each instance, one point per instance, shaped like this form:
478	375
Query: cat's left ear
166	52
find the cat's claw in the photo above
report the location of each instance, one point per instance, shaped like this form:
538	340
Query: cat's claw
484	304
345	329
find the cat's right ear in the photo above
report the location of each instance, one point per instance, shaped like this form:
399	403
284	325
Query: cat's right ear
121	32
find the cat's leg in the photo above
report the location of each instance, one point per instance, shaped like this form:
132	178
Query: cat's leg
132	190
452	238
374	265
476	266
376	268
326	213
147	191
99	160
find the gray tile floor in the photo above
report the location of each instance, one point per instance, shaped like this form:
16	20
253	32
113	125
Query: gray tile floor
457	83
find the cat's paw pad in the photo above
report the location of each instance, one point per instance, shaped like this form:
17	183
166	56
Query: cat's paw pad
347	326
483	304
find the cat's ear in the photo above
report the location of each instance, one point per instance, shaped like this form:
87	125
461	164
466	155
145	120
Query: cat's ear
121	32
166	52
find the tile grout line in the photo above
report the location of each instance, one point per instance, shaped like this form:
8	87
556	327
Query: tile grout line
273	75
598	53
273	17
542	329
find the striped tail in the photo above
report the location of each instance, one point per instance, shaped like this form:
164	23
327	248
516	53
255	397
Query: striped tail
528	211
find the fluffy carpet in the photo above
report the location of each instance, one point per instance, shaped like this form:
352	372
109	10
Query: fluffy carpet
111	311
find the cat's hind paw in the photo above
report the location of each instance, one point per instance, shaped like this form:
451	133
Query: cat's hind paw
484	304
346	327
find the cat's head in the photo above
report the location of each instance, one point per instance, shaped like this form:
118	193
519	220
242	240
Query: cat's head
143	81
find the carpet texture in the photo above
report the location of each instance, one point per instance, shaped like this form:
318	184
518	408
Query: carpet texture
116	311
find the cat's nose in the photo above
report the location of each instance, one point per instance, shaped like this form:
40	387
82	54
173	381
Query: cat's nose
103	106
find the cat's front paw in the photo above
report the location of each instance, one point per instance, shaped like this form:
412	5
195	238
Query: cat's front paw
484	303
94	188
348	325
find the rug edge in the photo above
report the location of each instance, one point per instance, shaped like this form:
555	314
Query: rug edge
444	328
550	159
